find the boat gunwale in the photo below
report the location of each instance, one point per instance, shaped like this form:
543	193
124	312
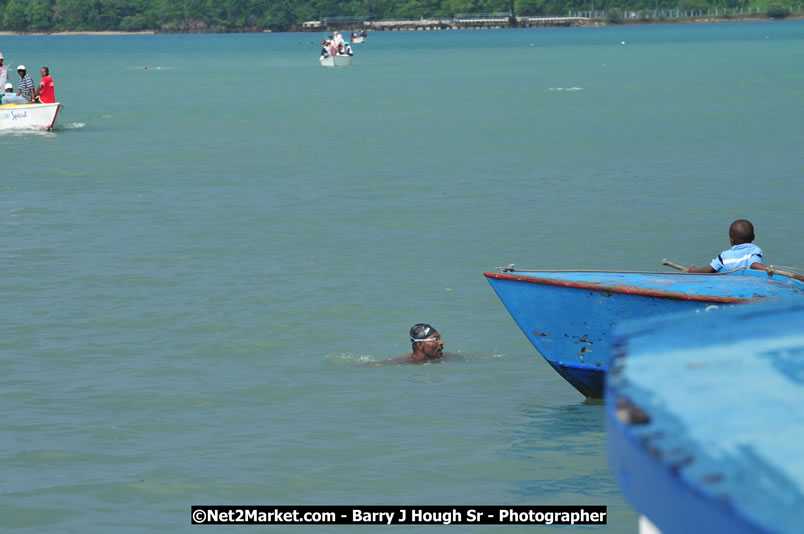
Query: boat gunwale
37	104
623	289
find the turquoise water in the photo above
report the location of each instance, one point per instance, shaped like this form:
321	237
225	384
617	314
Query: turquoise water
195	261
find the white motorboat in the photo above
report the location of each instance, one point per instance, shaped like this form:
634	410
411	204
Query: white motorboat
29	116
336	61
357	38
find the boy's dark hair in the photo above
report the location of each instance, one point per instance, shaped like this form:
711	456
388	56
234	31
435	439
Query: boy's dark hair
741	231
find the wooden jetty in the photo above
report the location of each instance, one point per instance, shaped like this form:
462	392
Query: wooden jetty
458	22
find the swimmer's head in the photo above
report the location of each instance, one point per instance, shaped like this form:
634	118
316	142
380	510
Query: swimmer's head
426	342
420	332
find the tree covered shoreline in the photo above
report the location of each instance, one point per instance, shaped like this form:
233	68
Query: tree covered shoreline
207	16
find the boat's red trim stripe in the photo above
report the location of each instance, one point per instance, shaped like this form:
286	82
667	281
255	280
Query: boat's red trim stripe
626	289
58	107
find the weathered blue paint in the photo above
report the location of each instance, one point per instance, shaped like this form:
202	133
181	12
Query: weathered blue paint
705	419
568	315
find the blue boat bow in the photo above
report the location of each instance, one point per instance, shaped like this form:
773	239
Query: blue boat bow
568	315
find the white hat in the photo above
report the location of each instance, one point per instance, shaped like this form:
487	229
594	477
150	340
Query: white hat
2	56
22	67
8	86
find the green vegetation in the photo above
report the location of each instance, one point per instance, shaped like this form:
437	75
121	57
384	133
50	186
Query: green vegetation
257	15
778	11
614	15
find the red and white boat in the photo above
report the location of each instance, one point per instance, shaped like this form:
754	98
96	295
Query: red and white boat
29	116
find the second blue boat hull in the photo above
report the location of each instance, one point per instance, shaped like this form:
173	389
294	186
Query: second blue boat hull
704	419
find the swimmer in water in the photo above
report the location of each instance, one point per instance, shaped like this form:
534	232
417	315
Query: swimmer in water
426	344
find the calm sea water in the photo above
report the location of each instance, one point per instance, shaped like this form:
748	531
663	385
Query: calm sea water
194	263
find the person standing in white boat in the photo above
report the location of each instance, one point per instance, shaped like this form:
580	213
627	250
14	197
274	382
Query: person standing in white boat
3	71
742	254
26	88
331	48
337	40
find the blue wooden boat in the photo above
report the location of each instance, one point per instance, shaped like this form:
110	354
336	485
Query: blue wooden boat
568	315
705	419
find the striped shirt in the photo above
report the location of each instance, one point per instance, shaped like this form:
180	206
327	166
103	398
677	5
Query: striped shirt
738	257
27	87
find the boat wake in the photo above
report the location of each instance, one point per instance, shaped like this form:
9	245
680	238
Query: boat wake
565	89
35	130
16	132
352	359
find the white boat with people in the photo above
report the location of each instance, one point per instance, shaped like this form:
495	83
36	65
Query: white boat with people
359	37
335	52
29	116
31	107
336	61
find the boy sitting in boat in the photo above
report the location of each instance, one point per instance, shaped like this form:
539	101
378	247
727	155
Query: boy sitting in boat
742	254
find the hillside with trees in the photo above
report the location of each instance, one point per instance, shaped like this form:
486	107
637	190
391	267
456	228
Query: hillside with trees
288	15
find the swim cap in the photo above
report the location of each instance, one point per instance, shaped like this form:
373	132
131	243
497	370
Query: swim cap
420	332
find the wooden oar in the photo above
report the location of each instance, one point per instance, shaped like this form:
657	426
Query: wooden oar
675	266
771	270
774	270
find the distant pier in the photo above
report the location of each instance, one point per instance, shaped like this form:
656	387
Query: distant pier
467	21
454	23
474	23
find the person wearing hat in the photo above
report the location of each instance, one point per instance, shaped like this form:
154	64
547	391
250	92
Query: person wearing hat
426	344
9	97
26	87
8	90
3	71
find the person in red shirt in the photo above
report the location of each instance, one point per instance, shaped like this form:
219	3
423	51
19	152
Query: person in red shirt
46	92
